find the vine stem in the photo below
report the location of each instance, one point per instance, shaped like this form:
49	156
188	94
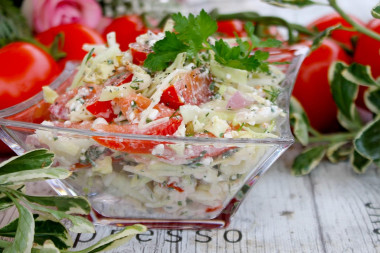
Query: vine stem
333	137
356	25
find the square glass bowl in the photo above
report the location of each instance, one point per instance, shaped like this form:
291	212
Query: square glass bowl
200	184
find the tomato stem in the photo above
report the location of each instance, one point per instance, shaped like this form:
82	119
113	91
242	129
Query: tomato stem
267	20
333	137
356	25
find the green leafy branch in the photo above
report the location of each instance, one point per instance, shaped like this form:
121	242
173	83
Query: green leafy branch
360	143
44	232
332	3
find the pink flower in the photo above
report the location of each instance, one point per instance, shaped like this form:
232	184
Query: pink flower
44	14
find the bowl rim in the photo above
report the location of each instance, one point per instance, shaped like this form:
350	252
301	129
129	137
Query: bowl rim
285	138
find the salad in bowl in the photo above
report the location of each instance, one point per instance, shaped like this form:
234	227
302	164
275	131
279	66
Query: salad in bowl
173	131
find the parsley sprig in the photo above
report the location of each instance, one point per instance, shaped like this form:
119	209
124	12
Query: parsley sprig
192	37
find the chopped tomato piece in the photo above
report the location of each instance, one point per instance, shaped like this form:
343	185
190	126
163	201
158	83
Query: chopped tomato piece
175	187
170	98
139	53
102	109
126	80
135	146
190	88
60	111
119	79
213	209
76	125
136	103
195	151
78	166
133	103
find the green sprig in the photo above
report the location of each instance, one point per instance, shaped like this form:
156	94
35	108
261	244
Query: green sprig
45	231
191	36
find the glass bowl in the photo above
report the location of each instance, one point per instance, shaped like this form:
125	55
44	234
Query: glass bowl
199	184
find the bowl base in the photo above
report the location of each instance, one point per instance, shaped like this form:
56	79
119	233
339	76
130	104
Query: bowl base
215	223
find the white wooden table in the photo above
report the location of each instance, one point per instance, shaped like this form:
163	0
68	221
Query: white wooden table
331	210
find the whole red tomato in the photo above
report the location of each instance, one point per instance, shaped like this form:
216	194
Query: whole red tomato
367	52
340	35
75	35
127	28
367	49
312	88
228	27
24	69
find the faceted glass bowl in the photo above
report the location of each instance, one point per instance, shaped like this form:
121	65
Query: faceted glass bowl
199	185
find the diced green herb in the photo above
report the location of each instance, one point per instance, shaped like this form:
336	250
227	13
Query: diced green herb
135	85
273	93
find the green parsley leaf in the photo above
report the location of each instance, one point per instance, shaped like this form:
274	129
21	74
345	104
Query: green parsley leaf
165	51
236	58
194	31
241	56
191	35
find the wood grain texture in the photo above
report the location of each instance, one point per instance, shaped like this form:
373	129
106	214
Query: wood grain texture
332	210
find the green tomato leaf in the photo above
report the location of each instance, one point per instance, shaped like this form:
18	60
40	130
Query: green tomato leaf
46	228
47	247
36	159
372	99
359	74
23	241
67	204
115	240
34	175
375	12
368	140
358	162
299	121
323	35
4	244
338	151
5	203
343	91
308	160
79	224
290	3
347	123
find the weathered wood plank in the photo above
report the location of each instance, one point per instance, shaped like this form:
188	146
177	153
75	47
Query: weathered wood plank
347	220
